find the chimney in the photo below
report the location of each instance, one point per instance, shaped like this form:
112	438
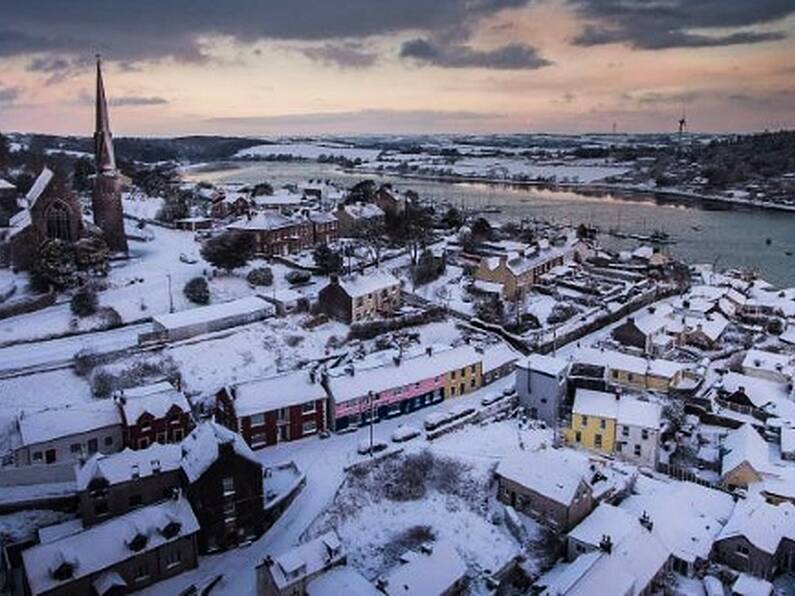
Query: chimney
606	544
396	360
155	466
429	350
646	522
135	472
312	376
335	279
350	369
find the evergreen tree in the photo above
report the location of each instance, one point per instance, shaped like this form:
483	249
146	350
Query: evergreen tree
229	250
327	260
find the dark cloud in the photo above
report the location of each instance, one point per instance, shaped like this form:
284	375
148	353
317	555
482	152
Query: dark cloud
59	68
127	30
659	25
373	121
450	55
9	95
348	54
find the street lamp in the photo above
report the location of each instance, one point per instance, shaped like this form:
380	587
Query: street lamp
371	400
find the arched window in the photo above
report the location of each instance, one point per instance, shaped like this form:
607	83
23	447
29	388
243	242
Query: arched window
58	222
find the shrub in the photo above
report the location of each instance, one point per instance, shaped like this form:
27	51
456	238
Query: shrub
327	260
84	301
298	277
229	250
260	276
197	291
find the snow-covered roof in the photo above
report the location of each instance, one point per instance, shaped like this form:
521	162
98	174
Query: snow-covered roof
321	217
635	412
628	363
343	386
762	361
748	585
363	284
38	188
129	464
548	472
264	220
281	197
425	574
272	393
548	365
50	424
768	395
588	402
789	334
605	520
205	314
200	449
341	580
788	440
6	185
364	210
306	559
687	516
156	399
104	545
762	524
498	355
745	445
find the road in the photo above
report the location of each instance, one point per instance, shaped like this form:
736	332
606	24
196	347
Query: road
41	355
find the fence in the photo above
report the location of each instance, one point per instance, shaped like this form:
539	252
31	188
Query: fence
22	306
686	475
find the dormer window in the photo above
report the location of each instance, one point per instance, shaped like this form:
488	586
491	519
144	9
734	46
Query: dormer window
63	571
171	529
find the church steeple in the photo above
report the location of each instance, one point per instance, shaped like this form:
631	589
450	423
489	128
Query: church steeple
103	141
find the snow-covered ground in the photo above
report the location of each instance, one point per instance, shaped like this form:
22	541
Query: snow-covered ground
309	151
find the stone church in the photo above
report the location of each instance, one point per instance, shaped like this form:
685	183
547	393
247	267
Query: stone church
51	209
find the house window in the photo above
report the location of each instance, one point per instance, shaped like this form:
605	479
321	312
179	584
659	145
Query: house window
602	423
93	445
452	374
637	450
578	437
644	434
584	420
597	440
229	485
173	558
76	448
142	571
743	550
109	441
49	456
309	428
619	447
136	500
630	377
615	374
178	434
284	414
143	443
100	507
161	438
308	407
257	419
625	431
37	456
229	513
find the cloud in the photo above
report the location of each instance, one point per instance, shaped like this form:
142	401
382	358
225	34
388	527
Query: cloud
656	25
8	95
151	29
348	54
134	100
59	68
512	56
371	121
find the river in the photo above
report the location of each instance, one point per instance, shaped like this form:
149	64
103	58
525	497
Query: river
729	236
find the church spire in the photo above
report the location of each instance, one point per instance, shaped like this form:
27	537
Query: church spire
103	141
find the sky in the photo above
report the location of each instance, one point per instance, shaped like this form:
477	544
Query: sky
299	67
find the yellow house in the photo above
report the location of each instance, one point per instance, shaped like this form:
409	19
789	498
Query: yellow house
519	271
593	421
464	372
633	371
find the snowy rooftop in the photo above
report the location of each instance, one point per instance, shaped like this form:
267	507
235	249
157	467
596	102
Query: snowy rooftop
107	544
547	471
156	399
745	445
214	312
38	188
129	464
364	210
426	574
306	559
47	425
498	355
361	285
200	449
344	387
762	524
748	585
6	185
271	393
341	580
264	220
762	361
605	520
625	362
635	412
764	394
588	402
549	365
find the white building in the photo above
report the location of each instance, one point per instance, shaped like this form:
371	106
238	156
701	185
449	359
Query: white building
638	430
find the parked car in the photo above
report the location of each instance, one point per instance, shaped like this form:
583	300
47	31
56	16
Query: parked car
460	412
490	399
186	258
404	433
435	420
364	447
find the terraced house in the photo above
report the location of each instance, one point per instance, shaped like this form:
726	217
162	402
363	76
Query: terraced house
359	298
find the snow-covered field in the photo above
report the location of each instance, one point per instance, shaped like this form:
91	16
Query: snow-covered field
309	151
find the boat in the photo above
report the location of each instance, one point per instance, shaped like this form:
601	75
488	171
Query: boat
788	253
696	228
768	241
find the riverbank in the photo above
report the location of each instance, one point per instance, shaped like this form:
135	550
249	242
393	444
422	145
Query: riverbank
594	189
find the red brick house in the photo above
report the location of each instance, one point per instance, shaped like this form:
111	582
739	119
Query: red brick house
276	234
275	409
156	413
325	227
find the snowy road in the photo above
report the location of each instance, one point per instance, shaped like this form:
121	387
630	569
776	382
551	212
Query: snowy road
324	462
54	352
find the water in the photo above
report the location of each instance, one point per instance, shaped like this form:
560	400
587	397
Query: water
726	236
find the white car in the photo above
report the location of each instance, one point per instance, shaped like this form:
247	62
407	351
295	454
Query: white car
404	433
436	420
364	446
186	258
